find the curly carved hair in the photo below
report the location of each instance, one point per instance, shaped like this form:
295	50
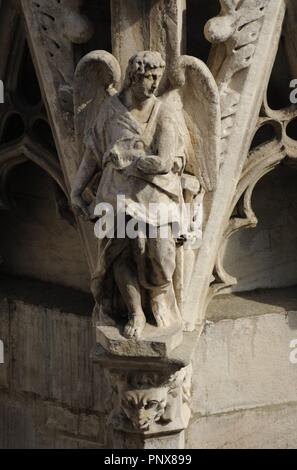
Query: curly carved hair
141	62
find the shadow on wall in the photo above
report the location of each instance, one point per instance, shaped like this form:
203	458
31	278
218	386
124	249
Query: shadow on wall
266	257
36	242
100	15
198	13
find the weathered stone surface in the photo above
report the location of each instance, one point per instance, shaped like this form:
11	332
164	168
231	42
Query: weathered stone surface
244	363
66	442
33	230
56	441
266	256
250	304
50	41
91	426
240	363
27	422
50	355
17	425
273	427
53	400
71	381
61	420
82	425
29	358
170	442
100	391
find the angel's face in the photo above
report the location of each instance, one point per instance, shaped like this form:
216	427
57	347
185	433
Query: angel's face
145	85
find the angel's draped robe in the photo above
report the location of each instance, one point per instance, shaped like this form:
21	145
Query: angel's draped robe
155	259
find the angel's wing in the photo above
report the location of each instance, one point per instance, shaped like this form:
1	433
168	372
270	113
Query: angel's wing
96	77
200	101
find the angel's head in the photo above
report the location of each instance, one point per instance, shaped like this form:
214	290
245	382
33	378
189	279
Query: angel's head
144	73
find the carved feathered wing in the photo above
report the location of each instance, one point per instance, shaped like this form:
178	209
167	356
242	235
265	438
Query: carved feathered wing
97	76
200	100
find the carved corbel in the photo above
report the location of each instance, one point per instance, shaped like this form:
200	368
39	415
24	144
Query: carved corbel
150	402
150	398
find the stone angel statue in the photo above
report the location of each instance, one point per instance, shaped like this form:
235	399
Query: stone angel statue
144	157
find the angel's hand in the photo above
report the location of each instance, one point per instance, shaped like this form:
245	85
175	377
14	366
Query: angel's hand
152	166
80	207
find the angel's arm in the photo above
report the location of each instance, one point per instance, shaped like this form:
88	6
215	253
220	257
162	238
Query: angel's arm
86	171
163	162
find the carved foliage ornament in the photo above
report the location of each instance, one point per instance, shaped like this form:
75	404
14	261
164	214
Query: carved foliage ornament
238	28
61	25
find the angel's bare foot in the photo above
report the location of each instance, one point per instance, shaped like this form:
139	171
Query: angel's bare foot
161	320
160	313
135	326
165	309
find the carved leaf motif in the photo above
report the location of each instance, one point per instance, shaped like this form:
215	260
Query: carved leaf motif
238	26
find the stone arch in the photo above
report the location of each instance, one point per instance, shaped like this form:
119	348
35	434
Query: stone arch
27	145
36	240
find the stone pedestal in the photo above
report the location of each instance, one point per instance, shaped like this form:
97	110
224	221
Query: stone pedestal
155	342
